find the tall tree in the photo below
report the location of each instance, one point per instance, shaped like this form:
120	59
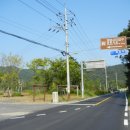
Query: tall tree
40	68
126	58
11	65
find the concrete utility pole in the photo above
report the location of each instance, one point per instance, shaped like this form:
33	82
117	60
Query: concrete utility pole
116	81
67	52
106	78
64	27
82	80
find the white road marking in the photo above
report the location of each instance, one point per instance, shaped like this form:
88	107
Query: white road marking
87	106
126	102
77	109
62	111
14	113
126	114
126	108
17	117
40	114
81	104
78	104
125	122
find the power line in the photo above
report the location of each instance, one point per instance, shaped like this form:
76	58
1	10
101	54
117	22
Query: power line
50	4
82	32
80	38
42	3
36	10
27	29
60	3
34	42
19	26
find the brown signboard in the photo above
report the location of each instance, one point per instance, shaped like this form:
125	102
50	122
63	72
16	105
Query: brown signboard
114	43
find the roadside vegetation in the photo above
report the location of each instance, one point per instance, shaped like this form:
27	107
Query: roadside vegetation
128	96
49	74
126	59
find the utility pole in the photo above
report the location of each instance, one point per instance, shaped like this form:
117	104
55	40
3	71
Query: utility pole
82	80
116	81
64	27
106	78
67	52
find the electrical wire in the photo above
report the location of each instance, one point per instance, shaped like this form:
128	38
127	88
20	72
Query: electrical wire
50	4
23	28
34	42
81	31
28	29
60	3
36	11
42	3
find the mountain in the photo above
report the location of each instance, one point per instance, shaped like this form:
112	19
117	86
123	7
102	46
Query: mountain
98	74
26	74
113	73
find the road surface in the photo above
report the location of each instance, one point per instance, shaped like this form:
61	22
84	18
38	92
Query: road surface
102	113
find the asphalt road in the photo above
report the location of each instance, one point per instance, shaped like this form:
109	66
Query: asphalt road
102	113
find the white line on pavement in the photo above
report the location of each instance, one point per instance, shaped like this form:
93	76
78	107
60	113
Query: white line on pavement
81	104
14	114
126	114
62	111
77	109
71	104
125	122
40	114
88	106
126	108
17	117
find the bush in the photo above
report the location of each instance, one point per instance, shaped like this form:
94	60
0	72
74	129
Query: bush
100	92
16	94
1	93
53	87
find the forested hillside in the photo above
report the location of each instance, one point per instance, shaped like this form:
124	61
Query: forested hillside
113	72
99	75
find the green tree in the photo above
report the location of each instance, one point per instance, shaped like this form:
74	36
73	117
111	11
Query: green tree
75	75
58	71
40	67
126	58
11	65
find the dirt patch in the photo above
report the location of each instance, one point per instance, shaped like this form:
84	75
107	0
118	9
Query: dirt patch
25	98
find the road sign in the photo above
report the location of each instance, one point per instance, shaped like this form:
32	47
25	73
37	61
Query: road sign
95	64
118	52
114	43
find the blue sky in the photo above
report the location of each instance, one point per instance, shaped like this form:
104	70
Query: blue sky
94	20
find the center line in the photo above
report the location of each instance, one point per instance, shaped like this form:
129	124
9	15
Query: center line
40	114
77	109
62	111
17	117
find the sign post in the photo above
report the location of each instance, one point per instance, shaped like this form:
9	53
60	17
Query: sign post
114	43
90	66
117	52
